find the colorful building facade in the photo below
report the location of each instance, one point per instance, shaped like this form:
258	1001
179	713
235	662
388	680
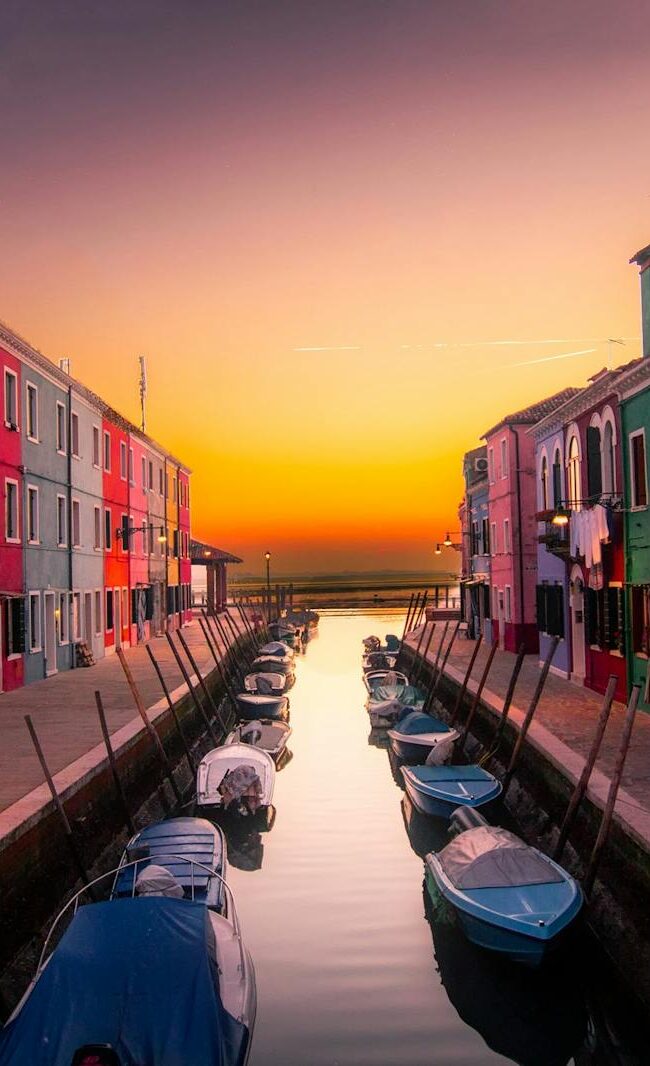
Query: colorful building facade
475	544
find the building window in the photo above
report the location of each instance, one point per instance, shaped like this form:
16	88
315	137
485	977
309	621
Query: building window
126	533
504	458
15	639
486	536
123	460
557	479
96	447
594	465
76	616
143	468
64	617
491	465
543	485
150	484
60	428
573	474
74	435
609	469
61	524
641	619
638	469
506	536
493	537
12	521
550	610
175	544
11	399
76	524
109	610
508	604
131	467
98	613
108	529
32	412
32	515
107	451
34	621
150	538
97	541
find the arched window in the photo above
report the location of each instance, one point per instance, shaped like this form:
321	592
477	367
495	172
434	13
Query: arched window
609	479
594	463
543	484
557	479
573	474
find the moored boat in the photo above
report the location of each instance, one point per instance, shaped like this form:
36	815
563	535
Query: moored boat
392	683
237	778
253	705
418	736
509	897
266	682
272	664
269	735
439	790
278	649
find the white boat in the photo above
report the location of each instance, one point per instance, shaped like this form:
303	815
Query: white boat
388	680
252	705
266	683
267	734
237	778
272	664
277	648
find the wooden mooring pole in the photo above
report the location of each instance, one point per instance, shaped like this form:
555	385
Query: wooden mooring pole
503	717
190	688
204	688
532	707
121	797
608	814
583	781
172	708
220	671
463	688
157	742
444	661
408	615
71	842
460	743
419	666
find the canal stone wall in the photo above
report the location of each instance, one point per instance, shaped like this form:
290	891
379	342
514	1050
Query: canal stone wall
536	802
37	873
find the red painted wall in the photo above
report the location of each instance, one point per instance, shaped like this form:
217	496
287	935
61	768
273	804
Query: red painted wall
185	565
116	496
11	555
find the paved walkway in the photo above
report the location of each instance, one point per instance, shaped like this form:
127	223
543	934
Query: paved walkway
564	722
65	714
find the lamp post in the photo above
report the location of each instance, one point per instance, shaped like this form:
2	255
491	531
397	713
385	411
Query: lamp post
267	556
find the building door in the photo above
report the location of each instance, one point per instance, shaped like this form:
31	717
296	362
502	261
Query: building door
49	626
88	619
577	604
117	617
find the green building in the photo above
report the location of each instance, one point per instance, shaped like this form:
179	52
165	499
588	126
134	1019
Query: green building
635	428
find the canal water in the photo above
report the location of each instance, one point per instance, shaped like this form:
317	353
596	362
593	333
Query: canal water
351	969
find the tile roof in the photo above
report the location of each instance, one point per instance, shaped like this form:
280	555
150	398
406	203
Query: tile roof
536	411
201	553
642	256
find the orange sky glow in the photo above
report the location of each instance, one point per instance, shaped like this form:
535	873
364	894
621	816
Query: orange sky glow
394	185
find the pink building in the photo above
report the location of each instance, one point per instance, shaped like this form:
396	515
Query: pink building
512	505
12	609
184	562
142	539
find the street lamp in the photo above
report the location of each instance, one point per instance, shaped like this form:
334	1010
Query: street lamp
447	541
438	550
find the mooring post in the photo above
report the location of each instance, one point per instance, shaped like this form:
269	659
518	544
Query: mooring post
463	688
608	814
416	653
423	606
503	717
415	611
221	672
581	786
247	626
539	688
408	615
460	743
121	798
157	742
422	661
172	708
72	844
190	688
438	653
206	692
444	661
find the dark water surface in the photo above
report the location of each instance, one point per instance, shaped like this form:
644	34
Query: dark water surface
333	911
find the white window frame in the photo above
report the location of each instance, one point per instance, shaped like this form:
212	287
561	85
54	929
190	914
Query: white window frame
75	446
76	621
30	387
76	534
106	457
97	447
123	461
493	538
11	423
64	618
503	457
97	528
131	467
33	489
35	648
633	487
61	438
125	613
61	543
507	603
98	607
507	543
12	481
143	468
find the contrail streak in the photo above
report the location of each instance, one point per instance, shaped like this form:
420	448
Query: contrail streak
551	358
330	348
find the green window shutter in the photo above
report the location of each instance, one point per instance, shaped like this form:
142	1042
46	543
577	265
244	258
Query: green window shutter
540	592
594	472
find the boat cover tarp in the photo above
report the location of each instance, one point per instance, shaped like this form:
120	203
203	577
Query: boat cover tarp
415	722
451	773
392	642
136	974
239	784
491	857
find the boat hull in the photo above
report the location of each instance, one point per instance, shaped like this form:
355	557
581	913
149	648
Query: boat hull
417	748
251	707
439	806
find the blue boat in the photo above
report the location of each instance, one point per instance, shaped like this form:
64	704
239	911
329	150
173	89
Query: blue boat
439	790
138	981
509	897
189	848
416	735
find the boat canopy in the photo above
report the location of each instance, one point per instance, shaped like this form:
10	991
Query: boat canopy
491	857
415	722
136	974
177	844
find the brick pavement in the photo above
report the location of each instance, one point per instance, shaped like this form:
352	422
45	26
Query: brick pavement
65	715
566	712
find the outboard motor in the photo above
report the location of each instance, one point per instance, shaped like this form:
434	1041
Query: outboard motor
464	818
95	1055
251	733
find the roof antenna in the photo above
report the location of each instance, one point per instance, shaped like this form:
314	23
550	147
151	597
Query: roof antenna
610	341
143	392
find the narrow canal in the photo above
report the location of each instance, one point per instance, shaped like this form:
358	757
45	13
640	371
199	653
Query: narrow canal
350	972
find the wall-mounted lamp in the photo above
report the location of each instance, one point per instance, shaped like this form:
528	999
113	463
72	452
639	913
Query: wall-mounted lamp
560	518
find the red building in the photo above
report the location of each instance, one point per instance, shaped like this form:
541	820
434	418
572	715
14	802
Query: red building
12	602
115	456
185	562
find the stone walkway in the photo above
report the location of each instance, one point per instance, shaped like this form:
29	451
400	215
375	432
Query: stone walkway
64	711
564	722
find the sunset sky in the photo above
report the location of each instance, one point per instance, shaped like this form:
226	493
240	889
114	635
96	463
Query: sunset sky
316	219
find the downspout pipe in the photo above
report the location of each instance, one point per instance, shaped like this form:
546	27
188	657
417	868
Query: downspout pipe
72	645
522	598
